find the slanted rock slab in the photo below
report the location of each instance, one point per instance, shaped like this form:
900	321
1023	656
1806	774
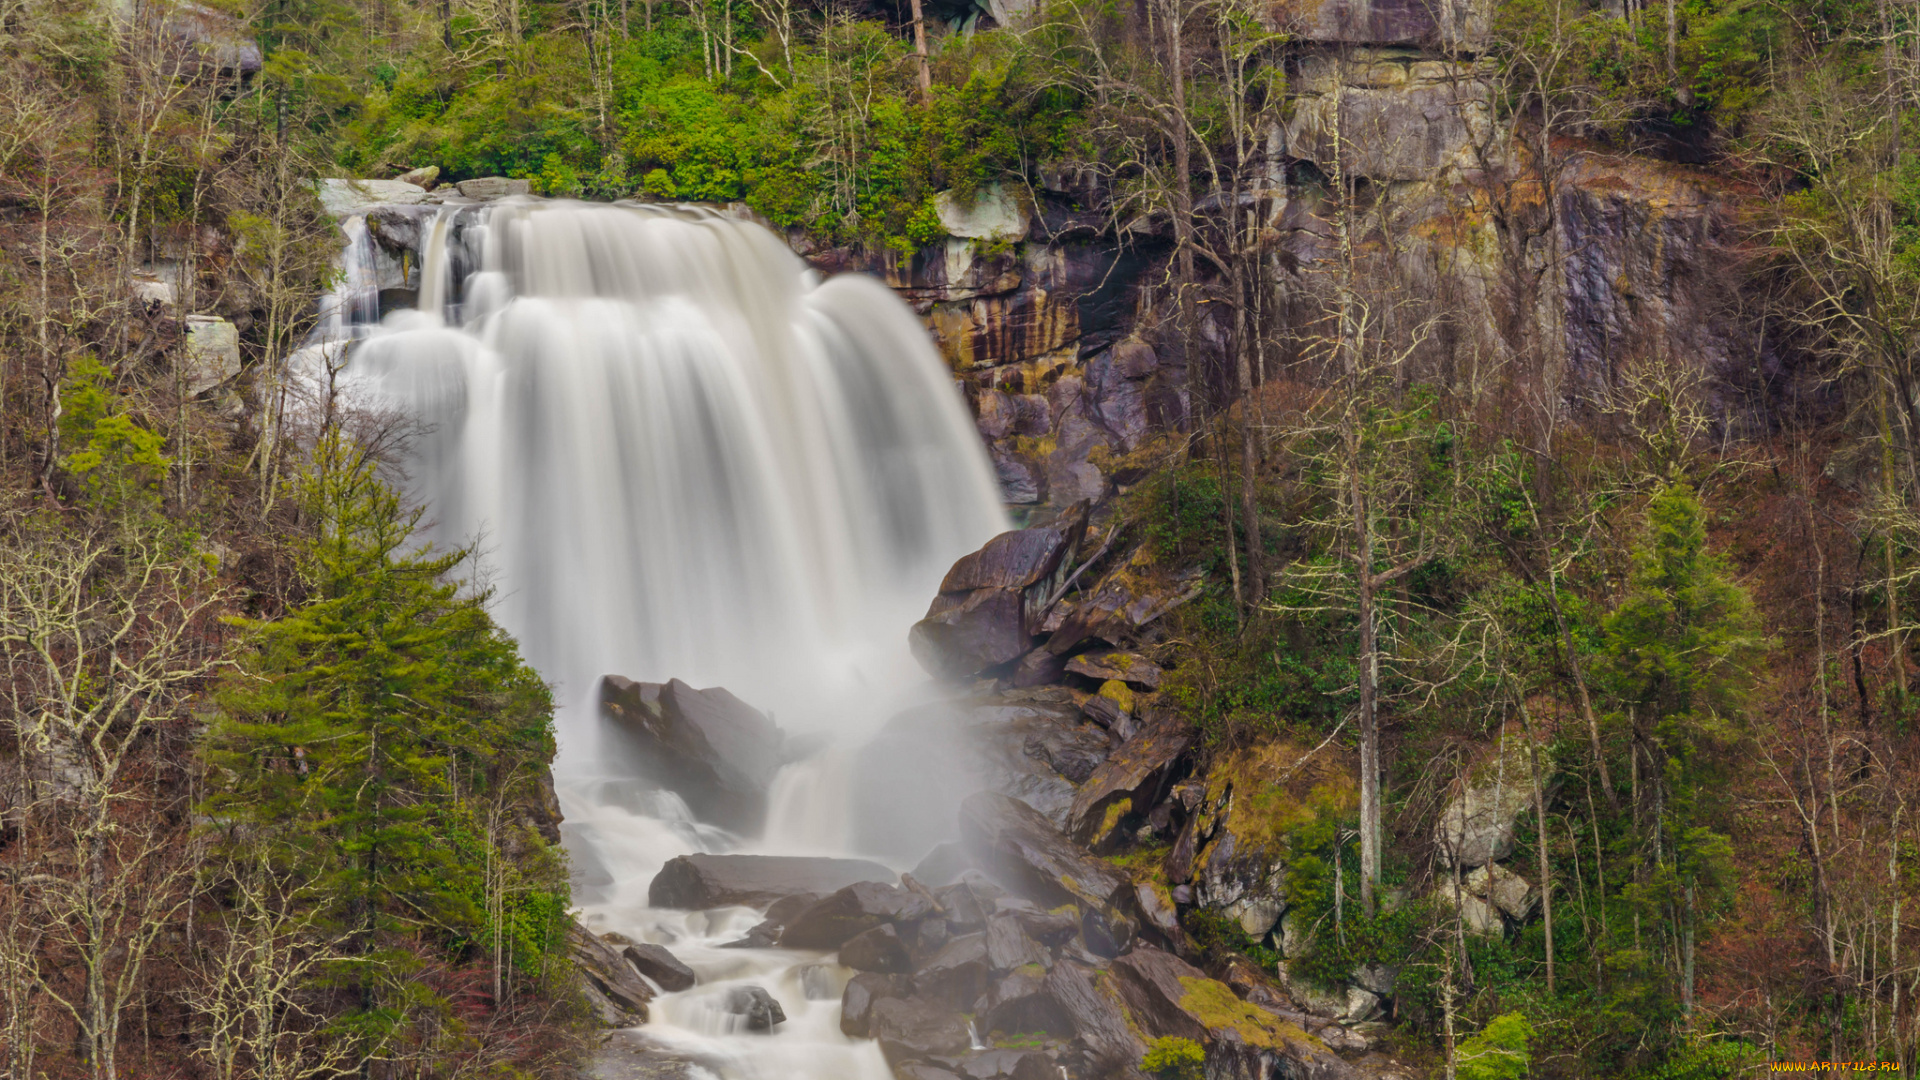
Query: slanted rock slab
1012	838
699	882
709	747
656	963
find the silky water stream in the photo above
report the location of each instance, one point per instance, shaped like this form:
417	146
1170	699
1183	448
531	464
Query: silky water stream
684	456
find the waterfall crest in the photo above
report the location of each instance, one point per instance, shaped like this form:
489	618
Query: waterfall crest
682	453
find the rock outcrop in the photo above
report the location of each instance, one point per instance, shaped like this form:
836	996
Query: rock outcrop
700	882
709	747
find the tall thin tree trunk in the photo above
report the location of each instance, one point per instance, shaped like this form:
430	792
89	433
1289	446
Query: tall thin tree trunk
920	53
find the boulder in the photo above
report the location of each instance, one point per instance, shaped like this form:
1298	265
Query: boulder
1138	772
1377	978
1003	1064
607	973
1502	888
1086	997
219	42
1009	947
958	974
1112	708
1050	928
699	882
712	749
968	633
656	963
757	1008
1123	604
856	1002
1014	560
943	865
425	177
1154	985
1018	1003
921	1071
1131	668
878	950
911	778
912	1029
837	919
492	187
1477	916
1156	907
1010	837
213	352
1476	827
992	213
341	197
1169	997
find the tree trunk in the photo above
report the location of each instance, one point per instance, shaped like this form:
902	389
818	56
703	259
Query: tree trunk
920	53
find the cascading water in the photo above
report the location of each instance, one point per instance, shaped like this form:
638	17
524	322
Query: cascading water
685	456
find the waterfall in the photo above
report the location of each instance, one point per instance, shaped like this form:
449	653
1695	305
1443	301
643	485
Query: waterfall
682	455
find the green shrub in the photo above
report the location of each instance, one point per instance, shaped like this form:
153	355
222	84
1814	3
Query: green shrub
1498	1052
1174	1058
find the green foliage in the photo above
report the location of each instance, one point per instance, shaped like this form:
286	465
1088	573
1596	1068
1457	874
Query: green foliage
1706	1059
116	460
1174	1058
1498	1052
375	733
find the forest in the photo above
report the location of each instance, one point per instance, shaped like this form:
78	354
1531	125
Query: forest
274	788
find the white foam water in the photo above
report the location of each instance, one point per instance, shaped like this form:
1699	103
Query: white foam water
683	456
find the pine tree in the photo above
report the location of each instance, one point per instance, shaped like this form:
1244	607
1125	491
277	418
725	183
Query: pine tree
1675	662
373	727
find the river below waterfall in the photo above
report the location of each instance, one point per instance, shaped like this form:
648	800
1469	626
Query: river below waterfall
682	456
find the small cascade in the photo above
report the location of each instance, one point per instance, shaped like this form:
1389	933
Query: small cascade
682	455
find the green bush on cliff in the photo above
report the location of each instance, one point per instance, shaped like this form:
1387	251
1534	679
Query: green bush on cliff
1174	1058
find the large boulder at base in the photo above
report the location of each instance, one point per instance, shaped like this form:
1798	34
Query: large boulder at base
1030	855
911	1029
1018	1004
1006	1064
656	963
608	976
856	1001
833	921
1144	765
340	197
699	882
1013	560
709	747
1476	827
492	187
758	1010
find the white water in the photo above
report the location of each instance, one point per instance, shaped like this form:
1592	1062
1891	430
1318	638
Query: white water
685	456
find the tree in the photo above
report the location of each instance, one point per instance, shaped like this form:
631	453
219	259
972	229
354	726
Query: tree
1675	664
361	744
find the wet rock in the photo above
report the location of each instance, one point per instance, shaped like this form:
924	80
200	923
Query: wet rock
425	177
1138	772
759	1010
1131	668
919	1071
1502	888
1038	668
1085	996
766	934
1019	1004
835	920
911	778
1007	1065
969	633
965	910
878	950
712	749
943	865
1476	827
608	975
912	1029
1009	947
656	963
1011	838
699	882
1012	560
856	1002
1050	928
958	974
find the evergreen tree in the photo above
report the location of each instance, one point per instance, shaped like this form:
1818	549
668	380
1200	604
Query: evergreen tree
375	727
1675	662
